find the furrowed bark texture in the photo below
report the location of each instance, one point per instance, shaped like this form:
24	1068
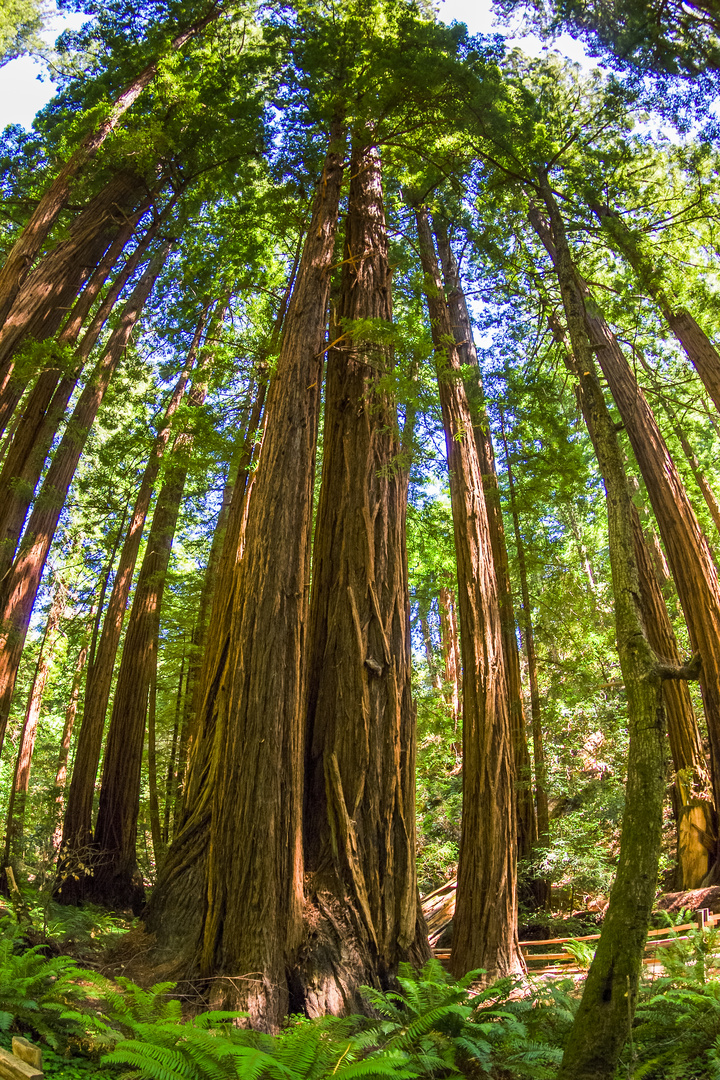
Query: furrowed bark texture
603	1020
28	244
485	924
359	813
51	289
116	881
41	416
19	588
77	829
527	827
688	553
238	887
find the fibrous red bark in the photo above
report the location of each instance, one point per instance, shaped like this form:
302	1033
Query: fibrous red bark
359	811
230	898
485	924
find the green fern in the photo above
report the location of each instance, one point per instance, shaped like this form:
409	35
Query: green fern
45	996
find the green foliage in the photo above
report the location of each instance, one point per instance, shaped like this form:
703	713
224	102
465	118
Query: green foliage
42	995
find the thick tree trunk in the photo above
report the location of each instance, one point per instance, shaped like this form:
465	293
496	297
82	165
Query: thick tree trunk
30	241
17	596
15	821
485	925
359	812
116	881
51	289
603	1020
77	830
527	829
687	548
235	905
541	798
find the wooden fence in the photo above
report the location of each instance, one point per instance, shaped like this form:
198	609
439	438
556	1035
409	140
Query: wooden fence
540	961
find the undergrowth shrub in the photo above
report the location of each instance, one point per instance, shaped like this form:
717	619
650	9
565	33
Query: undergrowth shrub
676	1034
44	996
431	1026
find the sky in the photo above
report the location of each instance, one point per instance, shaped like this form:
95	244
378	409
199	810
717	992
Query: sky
25	84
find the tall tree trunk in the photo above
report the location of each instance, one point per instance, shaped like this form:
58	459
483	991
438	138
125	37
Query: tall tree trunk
235	905
603	1020
707	493
687	548
77	829
218	588
20	586
485	924
153	799
450	650
527	828
15	821
359	810
35	430
64	754
695	811
423	606
541	798
116	881
698	347
26	247
51	289
173	770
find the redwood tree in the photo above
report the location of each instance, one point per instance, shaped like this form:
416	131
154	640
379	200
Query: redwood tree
359	811
235	905
485	923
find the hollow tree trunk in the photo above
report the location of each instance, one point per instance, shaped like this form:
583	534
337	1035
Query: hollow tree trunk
15	820
19	588
687	549
541	798
527	828
359	810
605	1014
235	905
77	828
485	924
25	249
51	289
696	344
116	881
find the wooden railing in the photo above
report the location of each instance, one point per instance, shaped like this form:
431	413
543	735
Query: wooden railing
545	963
